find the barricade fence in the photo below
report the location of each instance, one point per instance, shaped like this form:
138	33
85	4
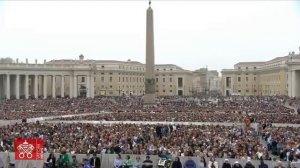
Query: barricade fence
107	160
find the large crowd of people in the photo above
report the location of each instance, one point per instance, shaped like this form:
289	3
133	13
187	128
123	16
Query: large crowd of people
233	117
19	109
283	142
164	140
218	141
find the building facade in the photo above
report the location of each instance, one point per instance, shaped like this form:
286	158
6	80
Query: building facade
278	76
90	78
206	80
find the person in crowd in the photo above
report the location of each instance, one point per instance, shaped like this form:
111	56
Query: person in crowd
86	163
202	163
262	164
237	165
279	164
74	162
212	163
64	160
138	163
176	163
226	164
118	162
190	163
51	160
148	163
249	164
128	163
293	164
95	161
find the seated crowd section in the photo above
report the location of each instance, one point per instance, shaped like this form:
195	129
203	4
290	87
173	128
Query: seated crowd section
266	142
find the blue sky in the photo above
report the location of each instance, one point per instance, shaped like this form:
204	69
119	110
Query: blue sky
191	34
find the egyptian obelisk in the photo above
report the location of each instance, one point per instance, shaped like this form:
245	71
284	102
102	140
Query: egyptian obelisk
149	97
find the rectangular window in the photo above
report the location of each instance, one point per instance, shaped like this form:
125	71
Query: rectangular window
180	82
102	79
110	79
156	79
239	79
82	79
247	79
228	81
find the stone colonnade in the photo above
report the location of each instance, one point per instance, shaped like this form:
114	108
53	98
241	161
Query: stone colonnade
17	86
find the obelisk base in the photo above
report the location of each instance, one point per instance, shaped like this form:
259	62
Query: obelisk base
149	100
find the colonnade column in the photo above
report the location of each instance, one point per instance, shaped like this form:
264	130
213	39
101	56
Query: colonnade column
36	94
294	86
45	86
71	86
26	86
62	87
75	86
88	87
7	86
1	87
17	86
53	87
92	86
